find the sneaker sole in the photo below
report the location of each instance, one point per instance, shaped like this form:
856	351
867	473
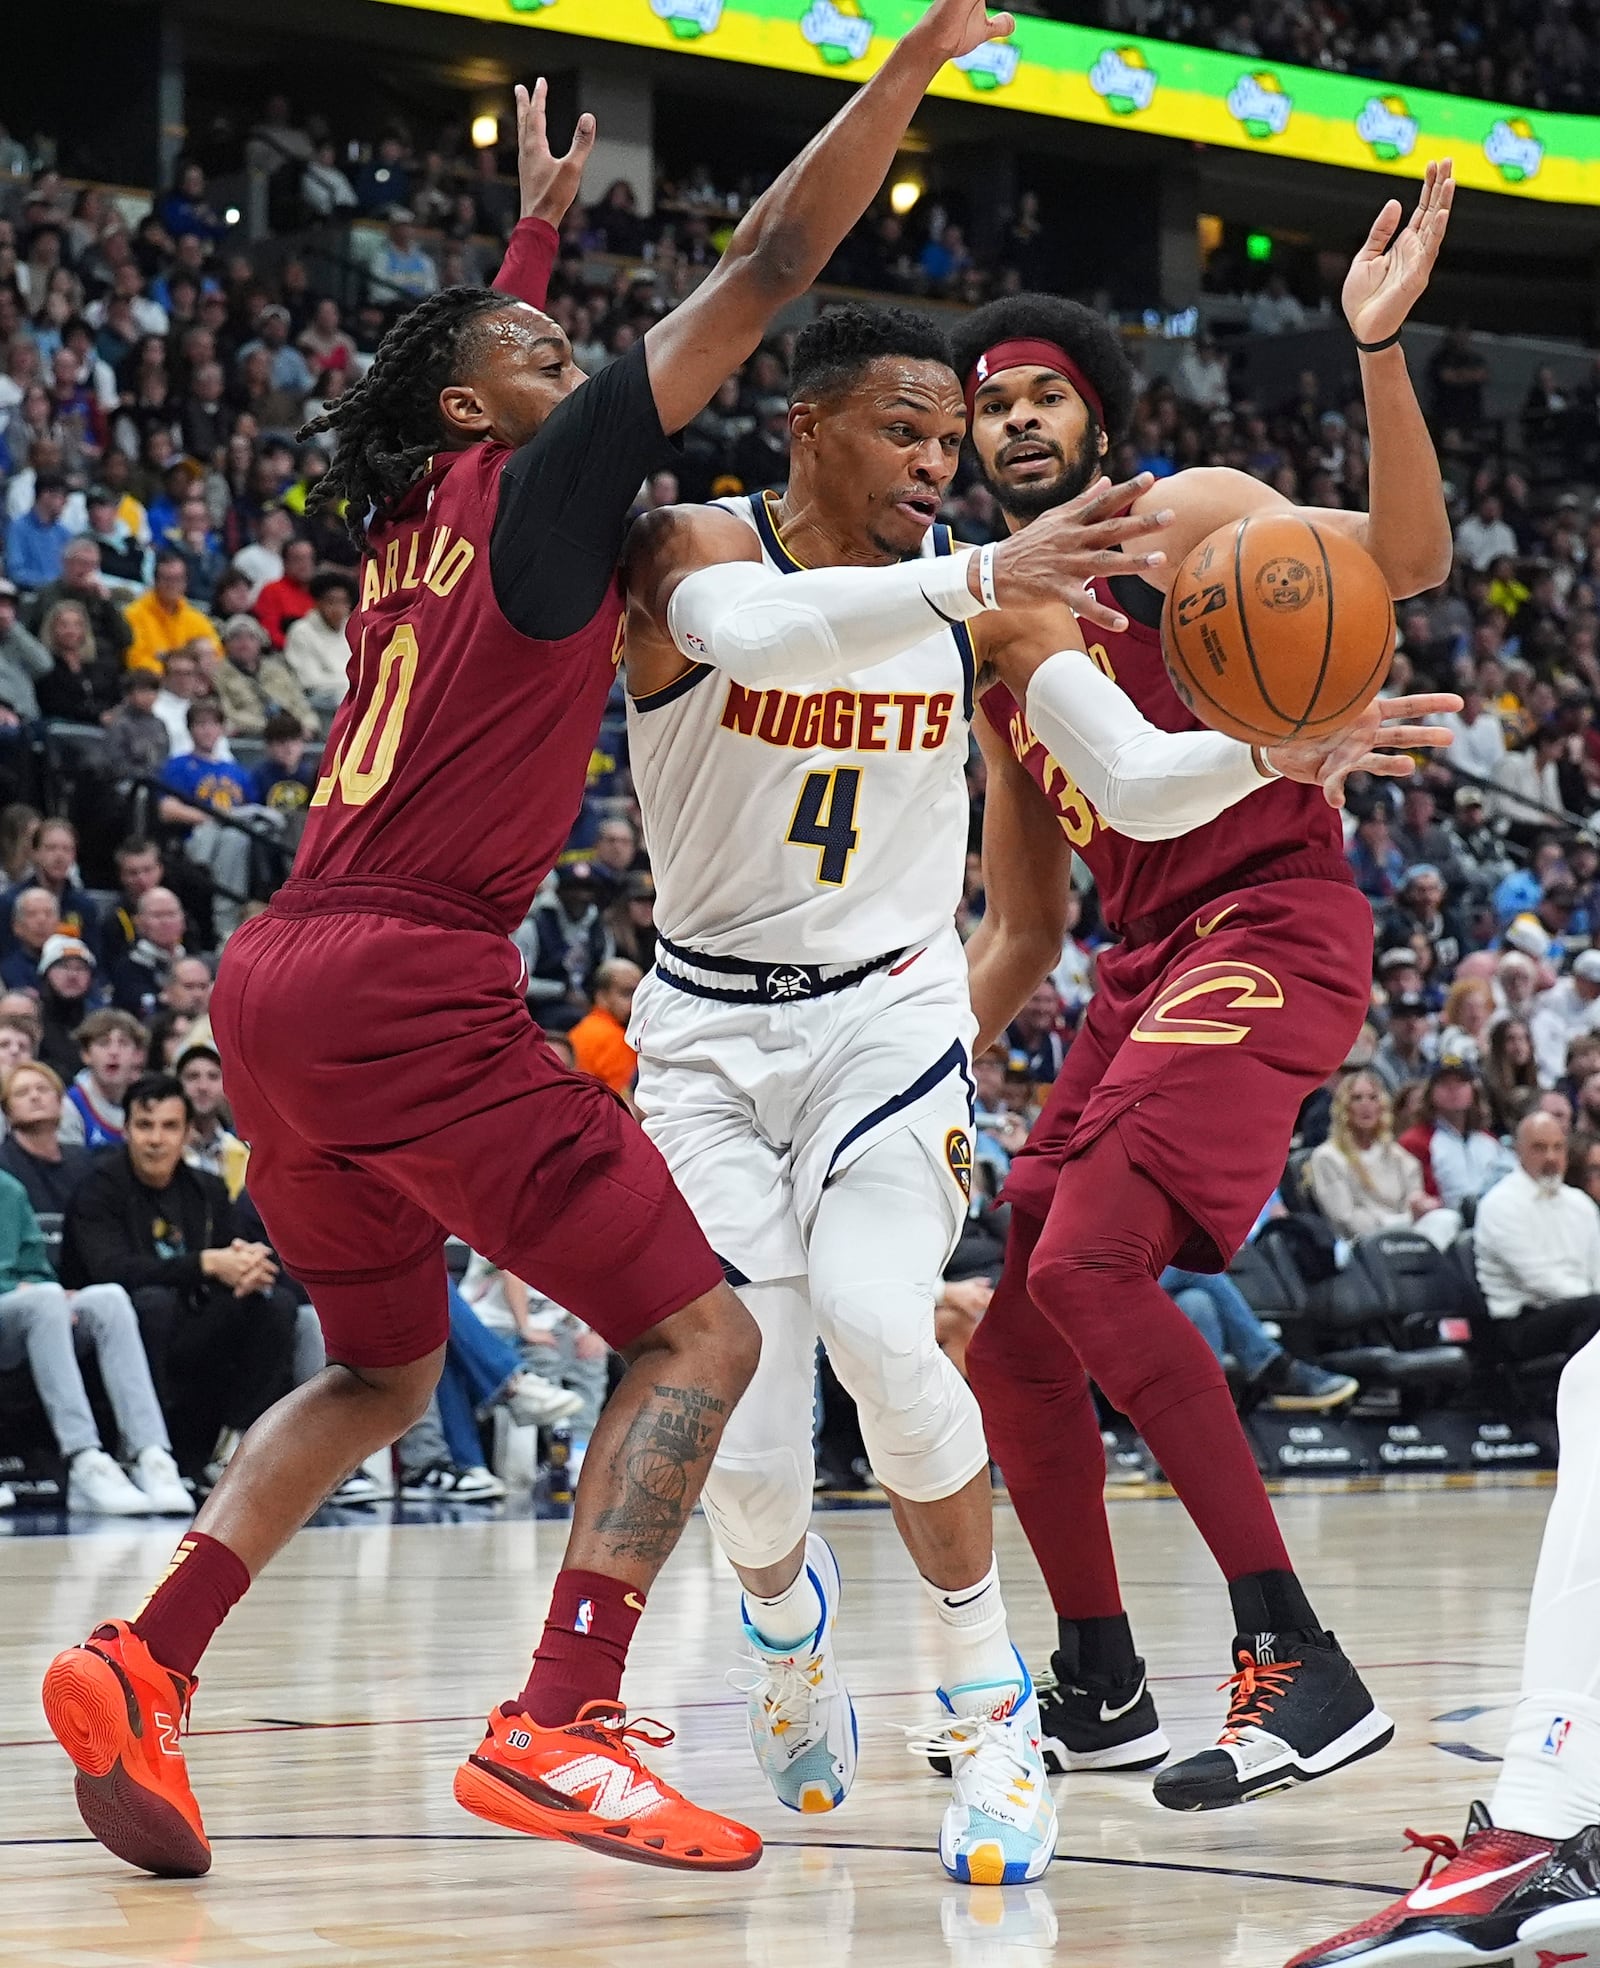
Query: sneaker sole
478	1790
1373	1732
1311	1403
88	1705
1543	1936
1142	1754
987	1865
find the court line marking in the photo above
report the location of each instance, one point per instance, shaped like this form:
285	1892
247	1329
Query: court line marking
271	1725
772	1844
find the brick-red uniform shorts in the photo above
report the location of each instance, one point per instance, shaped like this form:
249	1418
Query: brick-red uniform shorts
382	1065
1202	1044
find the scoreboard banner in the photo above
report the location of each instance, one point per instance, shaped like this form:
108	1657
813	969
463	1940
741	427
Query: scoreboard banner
1090	76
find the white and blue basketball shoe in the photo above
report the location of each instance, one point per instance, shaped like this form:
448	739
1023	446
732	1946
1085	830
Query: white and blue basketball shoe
1000	1824
802	1721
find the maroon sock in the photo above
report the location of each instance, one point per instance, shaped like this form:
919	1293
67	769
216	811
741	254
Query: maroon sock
203	1584
584	1649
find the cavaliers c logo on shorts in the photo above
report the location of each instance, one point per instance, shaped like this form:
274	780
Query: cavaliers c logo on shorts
958	1156
1178	1015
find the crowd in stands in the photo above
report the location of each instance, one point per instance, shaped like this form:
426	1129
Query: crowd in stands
171	654
1542	57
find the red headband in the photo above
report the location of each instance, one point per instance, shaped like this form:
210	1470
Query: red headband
1041	355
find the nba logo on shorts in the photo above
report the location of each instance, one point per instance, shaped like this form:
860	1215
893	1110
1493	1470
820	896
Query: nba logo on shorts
1556	1740
584	1623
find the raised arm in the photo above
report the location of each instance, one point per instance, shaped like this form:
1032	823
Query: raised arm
1406	530
548	185
1027	865
793	230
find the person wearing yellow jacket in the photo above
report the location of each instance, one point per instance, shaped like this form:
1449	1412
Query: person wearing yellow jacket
164	619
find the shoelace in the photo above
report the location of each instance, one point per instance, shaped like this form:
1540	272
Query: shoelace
980	1737
1441	1851
1255	1692
790	1684
606	1719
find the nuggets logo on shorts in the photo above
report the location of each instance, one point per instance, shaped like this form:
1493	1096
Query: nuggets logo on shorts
958	1155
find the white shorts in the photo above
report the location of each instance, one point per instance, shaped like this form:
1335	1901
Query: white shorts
756	1106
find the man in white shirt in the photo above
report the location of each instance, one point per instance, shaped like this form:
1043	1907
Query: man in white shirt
1530	781
1569	1007
1480	737
262	560
1275	311
315	647
1537	1243
1483	536
186	678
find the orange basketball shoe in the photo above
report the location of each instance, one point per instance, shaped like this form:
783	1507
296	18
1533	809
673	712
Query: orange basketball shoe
118	1713
584	1785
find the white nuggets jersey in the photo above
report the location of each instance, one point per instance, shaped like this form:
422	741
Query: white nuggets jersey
826	826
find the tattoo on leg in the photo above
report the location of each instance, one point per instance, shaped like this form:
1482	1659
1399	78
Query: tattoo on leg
671	1432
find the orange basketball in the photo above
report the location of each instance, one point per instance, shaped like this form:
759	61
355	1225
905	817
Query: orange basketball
1277	628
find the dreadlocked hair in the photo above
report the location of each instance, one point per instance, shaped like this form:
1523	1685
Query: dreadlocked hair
387	426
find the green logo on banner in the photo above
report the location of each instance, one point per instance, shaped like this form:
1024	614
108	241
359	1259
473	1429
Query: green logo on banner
1514	151
1261	105
839	32
1388	126
1123	80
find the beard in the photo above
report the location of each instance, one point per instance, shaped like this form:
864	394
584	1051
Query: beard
1025	502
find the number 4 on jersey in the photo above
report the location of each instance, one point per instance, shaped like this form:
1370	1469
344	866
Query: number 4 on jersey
825	818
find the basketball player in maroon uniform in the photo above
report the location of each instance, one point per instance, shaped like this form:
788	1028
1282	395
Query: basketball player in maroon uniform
1239	982
377	1046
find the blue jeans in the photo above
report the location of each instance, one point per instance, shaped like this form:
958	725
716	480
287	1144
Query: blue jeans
1217	1307
477	1364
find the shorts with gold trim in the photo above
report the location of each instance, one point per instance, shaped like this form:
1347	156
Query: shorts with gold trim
1203	1045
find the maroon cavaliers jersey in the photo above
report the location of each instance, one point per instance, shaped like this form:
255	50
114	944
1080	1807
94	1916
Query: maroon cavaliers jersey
1283	831
487	639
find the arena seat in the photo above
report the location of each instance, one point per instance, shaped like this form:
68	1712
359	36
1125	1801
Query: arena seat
1295	1188
1378	1318
1519	1386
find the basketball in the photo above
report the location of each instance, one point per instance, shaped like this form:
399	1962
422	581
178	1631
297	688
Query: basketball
1277	628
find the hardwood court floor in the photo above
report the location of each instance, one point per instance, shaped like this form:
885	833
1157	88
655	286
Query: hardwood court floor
339	1698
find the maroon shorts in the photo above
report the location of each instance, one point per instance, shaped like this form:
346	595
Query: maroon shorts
382	1065
1202	1045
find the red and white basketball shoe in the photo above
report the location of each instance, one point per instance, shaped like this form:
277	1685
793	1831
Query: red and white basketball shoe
1500	1899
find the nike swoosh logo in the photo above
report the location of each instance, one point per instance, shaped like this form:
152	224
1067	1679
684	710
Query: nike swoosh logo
1425	1898
632	1599
908	962
971	1596
1205	929
1110	1714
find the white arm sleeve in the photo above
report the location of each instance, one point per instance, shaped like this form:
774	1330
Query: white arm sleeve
768	629
1146	783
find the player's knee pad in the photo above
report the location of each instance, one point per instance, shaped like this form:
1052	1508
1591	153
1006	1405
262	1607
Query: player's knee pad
759	1503
1578	1395
919	1418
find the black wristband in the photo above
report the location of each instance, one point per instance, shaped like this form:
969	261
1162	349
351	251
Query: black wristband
1376	348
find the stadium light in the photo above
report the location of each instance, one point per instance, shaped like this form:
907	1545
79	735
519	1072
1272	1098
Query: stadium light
231	216
485	132
903	194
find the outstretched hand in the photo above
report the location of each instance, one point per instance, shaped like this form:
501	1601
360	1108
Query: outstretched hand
958	27
548	183
1387	722
1387	276
1056	557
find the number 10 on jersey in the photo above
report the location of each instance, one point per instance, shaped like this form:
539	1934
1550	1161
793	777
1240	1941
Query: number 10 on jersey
825	818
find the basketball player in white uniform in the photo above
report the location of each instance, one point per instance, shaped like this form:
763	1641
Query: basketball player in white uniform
798	730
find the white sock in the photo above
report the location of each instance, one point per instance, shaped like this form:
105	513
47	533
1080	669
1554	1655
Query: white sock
1550	1784
791	1618
972	1624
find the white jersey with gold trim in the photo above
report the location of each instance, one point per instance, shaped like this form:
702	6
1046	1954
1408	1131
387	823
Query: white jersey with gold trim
813	827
